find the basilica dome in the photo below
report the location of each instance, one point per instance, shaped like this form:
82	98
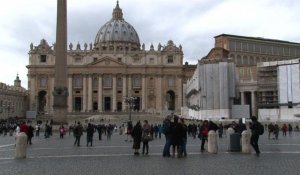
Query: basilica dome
117	30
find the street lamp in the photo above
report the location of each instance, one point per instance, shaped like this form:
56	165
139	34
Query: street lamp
130	101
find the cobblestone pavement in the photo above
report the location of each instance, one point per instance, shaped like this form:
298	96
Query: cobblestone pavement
115	156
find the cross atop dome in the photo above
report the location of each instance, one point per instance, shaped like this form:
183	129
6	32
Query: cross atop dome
117	13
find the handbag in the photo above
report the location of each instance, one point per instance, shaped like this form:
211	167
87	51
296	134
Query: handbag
147	137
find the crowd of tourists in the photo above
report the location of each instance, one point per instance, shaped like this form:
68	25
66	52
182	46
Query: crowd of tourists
174	129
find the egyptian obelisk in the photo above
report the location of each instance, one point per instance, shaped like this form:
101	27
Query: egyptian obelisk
60	92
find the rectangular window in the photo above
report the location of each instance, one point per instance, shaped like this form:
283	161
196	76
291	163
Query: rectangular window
170	59
95	59
238	46
250	47
171	82
244	46
43	58
280	50
77	81
286	51
119	59
43	82
77	60
263	49
257	48
136	82
95	83
151	60
232	46
107	81
119	82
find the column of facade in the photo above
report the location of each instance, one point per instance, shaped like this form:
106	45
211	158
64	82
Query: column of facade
90	92
144	91
253	103
124	92
242	98
70	97
129	86
158	89
179	94
114	93
33	102
84	94
51	90
100	95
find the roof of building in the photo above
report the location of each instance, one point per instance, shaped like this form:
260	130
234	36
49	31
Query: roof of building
257	39
117	30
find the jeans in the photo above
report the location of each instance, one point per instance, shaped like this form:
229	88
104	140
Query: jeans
166	151
254	142
77	140
183	148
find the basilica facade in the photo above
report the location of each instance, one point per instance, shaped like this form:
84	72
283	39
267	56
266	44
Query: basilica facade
102	74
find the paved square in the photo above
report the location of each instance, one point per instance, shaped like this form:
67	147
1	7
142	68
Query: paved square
115	156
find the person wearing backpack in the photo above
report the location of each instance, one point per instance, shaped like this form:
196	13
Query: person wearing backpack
255	127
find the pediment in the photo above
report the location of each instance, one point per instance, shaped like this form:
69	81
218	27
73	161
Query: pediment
107	62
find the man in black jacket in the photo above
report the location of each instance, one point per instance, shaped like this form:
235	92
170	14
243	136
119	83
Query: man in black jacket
255	135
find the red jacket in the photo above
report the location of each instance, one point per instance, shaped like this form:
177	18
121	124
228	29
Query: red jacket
24	128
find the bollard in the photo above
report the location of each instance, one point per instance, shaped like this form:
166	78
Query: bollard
21	145
228	133
212	142
246	148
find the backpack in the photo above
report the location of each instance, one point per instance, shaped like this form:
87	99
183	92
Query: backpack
166	126
260	128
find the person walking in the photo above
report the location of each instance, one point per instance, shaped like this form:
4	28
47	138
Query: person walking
77	134
146	136
284	129
276	131
89	134
203	134
30	134
61	131
290	128
255	129
136	133
99	129
37	130
220	130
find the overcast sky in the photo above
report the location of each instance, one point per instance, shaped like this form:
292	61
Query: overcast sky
191	23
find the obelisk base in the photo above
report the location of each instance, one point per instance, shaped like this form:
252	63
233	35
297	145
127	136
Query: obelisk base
60	116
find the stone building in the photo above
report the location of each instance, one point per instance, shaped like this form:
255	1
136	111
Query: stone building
115	66
246	52
13	100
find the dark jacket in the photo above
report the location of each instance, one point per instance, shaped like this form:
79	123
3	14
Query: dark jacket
137	133
90	131
255	128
